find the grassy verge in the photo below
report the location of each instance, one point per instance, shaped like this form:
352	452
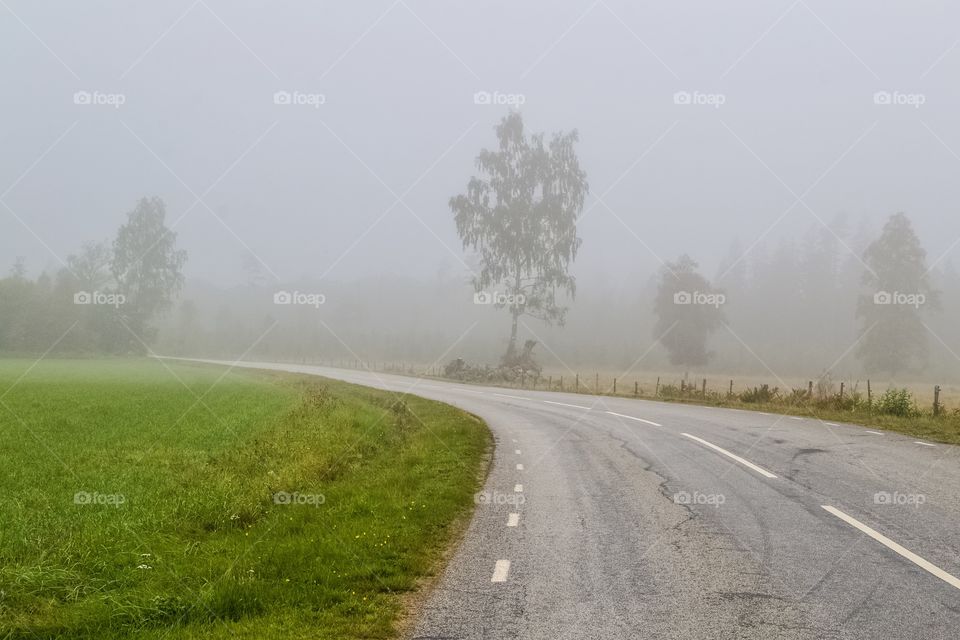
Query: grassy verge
896	410
147	503
920	424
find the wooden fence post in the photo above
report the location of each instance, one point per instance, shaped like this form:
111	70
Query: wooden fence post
810	389
578	384
841	391
596	382
614	386
703	391
936	400
869	394
730	393
636	388
656	392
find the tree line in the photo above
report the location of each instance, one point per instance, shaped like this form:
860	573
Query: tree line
520	217
807	303
106	297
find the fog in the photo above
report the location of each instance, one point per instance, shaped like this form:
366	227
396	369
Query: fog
314	147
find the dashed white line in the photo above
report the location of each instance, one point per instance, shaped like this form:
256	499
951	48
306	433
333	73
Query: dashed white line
564	404
620	415
519	467
513	520
831	424
500	571
876	433
516	451
926	444
518	488
890	544
733	456
795	418
503	395
482	393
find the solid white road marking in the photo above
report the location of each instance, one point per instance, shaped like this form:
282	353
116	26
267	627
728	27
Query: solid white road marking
516	451
926	444
500	571
519	467
564	404
518	488
890	544
620	415
875	432
513	520
831	424
734	456
503	395
795	418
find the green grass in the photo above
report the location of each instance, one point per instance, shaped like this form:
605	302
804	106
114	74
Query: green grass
183	537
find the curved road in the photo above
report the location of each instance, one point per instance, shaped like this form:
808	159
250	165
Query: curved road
620	518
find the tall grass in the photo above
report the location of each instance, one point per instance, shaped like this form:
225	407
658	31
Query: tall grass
145	502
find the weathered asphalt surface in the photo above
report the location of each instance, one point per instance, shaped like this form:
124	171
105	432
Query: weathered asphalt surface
604	546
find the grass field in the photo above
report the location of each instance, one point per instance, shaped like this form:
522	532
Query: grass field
142	502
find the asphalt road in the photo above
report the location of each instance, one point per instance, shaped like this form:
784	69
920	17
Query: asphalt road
619	518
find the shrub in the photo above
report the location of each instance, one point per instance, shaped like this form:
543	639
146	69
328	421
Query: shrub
897	402
760	394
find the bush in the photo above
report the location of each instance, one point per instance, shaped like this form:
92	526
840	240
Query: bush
760	394
897	402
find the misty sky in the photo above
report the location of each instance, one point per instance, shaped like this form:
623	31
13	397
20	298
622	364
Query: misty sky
309	189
